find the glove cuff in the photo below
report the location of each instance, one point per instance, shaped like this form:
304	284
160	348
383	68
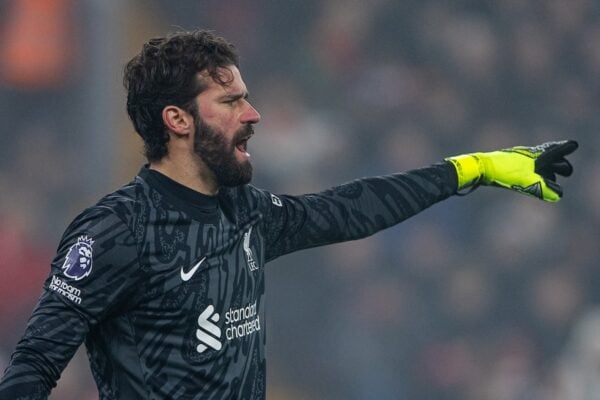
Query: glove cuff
469	169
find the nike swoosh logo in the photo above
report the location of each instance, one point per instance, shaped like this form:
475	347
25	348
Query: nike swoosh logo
186	276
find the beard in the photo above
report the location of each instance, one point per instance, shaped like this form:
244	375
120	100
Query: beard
218	154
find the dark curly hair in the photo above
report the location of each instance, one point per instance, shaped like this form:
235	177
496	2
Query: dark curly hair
165	73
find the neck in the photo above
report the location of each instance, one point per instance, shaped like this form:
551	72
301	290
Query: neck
193	174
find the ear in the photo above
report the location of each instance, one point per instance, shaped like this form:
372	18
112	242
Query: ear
177	120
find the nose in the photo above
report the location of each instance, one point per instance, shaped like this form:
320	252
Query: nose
250	115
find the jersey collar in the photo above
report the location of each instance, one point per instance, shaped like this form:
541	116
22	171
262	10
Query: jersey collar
179	194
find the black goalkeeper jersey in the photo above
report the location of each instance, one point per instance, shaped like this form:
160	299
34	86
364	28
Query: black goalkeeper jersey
166	285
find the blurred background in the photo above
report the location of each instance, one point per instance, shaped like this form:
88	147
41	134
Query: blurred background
491	296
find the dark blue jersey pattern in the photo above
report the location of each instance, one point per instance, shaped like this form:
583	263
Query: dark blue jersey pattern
166	285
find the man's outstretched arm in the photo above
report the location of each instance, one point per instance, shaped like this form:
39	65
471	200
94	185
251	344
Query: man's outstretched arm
366	206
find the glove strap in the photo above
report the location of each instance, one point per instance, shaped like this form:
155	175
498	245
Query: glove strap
469	169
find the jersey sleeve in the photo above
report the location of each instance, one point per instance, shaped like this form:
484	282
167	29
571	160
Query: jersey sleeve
353	210
93	275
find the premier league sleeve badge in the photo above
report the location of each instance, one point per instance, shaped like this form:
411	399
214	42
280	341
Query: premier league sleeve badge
78	262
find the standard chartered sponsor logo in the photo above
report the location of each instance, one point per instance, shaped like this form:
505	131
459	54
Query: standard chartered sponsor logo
239	322
206	328
245	319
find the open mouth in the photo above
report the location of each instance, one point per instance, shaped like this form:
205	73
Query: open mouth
242	144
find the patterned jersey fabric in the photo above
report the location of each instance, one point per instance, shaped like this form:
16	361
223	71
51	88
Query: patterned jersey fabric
166	285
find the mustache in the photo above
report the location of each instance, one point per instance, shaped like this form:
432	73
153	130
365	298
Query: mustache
244	133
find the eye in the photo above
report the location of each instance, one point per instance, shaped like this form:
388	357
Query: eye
230	103
234	100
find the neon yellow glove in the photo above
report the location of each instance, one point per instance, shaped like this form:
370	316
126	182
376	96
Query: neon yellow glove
528	170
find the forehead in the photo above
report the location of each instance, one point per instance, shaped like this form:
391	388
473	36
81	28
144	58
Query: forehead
232	78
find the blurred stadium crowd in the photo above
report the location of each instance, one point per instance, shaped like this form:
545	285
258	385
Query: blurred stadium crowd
491	296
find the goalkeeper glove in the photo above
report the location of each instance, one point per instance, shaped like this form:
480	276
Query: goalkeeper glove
528	170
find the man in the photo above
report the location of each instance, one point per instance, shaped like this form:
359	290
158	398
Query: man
164	278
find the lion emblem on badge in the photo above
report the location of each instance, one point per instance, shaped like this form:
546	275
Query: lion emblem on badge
78	263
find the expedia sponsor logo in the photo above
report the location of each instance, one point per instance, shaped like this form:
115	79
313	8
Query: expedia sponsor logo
239	323
64	289
276	200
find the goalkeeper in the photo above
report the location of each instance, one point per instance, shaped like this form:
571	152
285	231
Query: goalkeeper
164	278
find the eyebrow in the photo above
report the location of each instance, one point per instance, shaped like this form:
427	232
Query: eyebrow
237	96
